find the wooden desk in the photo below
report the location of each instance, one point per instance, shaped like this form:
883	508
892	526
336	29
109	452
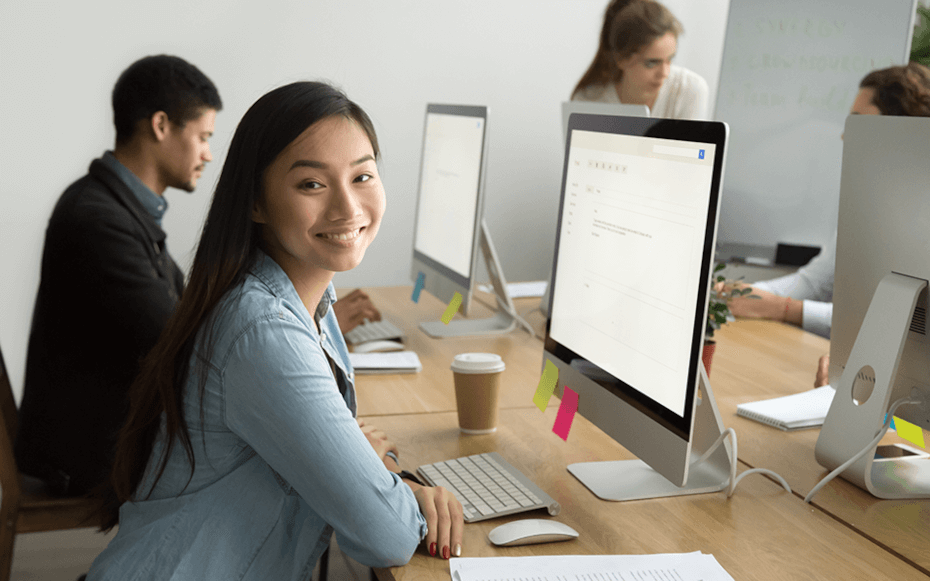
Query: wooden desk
432	390
758	360
754	360
762	532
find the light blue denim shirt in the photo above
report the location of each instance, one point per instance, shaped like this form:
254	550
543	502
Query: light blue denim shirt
280	460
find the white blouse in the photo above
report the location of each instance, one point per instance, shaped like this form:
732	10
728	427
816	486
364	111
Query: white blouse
683	95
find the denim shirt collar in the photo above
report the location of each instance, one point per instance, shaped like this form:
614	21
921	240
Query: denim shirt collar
326	330
155	205
271	273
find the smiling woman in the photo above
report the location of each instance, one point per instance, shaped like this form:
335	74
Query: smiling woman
322	204
633	64
241	455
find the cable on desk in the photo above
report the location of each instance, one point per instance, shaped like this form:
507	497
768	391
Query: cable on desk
881	434
734	479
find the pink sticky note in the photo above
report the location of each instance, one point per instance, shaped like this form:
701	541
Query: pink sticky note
563	420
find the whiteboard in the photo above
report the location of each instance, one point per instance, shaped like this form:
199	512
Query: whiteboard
789	74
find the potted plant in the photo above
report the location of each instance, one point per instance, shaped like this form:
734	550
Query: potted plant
718	309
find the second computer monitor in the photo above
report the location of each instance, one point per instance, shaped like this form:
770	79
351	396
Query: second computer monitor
450	201
633	256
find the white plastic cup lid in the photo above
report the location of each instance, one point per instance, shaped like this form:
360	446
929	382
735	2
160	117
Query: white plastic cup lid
475	363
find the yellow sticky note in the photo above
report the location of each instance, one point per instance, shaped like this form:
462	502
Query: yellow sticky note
550	377
910	432
453	308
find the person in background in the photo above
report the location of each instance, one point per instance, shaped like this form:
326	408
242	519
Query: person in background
353	309
633	63
242	453
805	297
107	283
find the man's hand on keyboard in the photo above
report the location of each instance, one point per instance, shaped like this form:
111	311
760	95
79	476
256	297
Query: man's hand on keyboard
354	308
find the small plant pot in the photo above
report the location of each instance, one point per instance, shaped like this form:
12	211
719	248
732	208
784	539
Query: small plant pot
707	355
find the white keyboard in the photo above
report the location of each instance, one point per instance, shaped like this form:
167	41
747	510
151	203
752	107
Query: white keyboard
374	331
488	486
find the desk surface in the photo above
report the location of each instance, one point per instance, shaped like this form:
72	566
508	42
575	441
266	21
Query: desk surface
432	389
757	360
754	360
762	532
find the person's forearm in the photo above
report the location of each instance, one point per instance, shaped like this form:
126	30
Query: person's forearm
793	312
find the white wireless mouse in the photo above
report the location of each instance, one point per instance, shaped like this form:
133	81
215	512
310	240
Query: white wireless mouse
530	531
378	346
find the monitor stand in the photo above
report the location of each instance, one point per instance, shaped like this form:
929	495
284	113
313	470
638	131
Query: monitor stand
850	426
503	320
635	480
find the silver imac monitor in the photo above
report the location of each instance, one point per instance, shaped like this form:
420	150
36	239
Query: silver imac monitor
449	228
633	258
879	348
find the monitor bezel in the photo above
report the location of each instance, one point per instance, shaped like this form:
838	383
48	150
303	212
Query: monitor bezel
453	281
709	132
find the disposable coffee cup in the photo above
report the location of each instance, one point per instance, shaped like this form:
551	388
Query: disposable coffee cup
477	385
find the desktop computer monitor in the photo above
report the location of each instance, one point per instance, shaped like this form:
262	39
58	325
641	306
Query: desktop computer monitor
449	228
633	258
879	348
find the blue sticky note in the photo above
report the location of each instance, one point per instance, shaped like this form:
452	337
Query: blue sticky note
415	297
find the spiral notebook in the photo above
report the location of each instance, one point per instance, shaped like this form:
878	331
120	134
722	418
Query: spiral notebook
791	412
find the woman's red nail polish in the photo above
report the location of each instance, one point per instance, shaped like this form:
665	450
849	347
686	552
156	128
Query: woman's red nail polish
445	553
432	549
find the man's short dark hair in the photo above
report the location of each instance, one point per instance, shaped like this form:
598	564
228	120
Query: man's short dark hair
161	83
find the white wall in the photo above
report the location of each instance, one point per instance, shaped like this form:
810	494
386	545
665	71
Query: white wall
59	60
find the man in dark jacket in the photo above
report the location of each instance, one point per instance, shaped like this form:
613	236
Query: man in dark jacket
108	284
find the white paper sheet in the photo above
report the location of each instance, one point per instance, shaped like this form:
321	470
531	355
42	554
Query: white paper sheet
662	567
519	290
390	362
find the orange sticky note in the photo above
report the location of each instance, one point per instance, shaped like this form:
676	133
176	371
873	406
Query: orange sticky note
910	432
563	420
547	383
453	308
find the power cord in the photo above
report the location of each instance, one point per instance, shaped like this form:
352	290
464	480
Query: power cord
881	434
734	479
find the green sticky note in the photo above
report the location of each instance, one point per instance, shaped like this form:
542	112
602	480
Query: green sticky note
453	308
550	377
910	432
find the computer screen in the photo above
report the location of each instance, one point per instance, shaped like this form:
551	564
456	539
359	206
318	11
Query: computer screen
879	348
634	252
449	201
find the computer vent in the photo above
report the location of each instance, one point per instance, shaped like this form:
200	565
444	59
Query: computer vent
862	376
919	321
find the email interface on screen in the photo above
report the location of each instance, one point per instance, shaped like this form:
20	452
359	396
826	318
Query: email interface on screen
630	254
449	182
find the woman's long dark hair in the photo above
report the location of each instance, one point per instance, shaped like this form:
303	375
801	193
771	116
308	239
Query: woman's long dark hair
629	26
228	246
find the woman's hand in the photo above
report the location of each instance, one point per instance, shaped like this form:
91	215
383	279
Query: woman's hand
378	440
354	308
444	521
